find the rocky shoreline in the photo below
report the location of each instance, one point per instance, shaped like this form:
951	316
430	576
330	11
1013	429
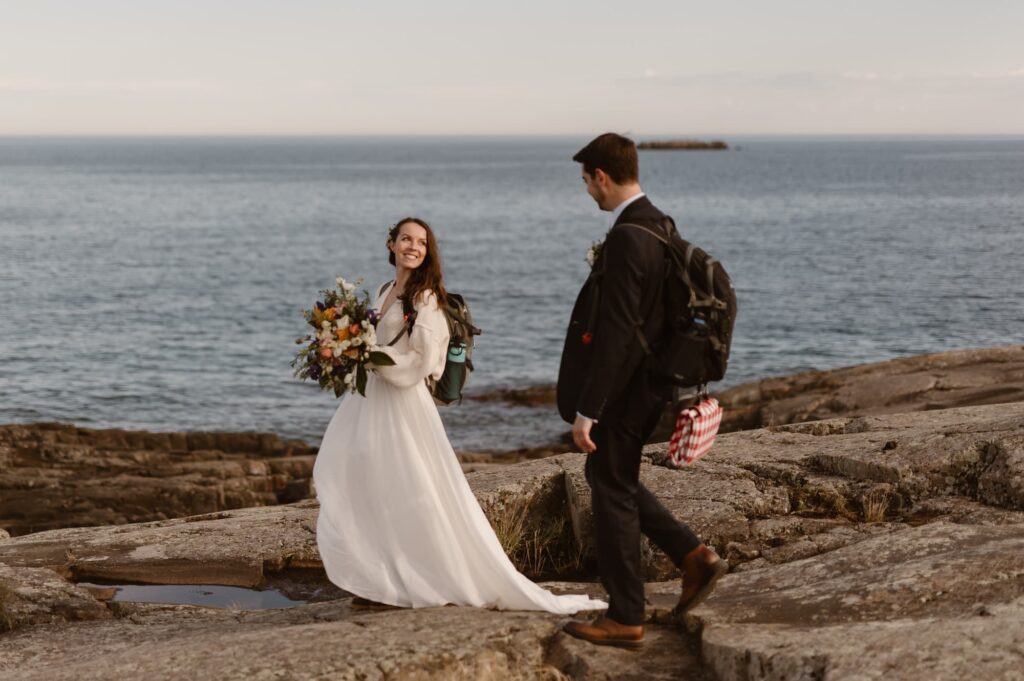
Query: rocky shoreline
860	545
958	378
58	475
941	380
864	546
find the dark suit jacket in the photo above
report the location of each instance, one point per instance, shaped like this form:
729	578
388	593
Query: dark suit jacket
628	281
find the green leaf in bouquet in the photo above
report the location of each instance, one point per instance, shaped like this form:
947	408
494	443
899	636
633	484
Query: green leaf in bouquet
381	359
361	380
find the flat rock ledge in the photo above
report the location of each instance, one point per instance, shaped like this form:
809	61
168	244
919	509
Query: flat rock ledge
58	475
331	641
940	601
942	380
874	547
230	548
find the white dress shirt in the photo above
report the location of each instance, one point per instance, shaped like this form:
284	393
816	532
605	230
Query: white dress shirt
617	211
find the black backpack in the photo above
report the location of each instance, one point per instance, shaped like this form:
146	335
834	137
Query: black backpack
459	362
700	311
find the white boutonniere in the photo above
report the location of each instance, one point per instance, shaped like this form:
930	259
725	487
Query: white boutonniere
594	252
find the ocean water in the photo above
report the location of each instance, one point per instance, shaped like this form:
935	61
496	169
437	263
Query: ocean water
157	283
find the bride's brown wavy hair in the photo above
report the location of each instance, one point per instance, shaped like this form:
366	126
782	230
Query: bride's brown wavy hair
428	276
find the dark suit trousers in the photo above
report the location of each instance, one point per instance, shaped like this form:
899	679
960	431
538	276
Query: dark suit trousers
623	507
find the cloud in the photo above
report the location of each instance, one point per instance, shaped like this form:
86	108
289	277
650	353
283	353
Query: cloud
141	87
786	80
858	75
820	81
872	76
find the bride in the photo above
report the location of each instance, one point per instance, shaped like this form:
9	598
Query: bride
398	523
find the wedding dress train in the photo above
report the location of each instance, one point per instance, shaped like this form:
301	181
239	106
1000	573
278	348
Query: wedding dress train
398	522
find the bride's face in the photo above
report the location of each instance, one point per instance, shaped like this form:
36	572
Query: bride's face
410	246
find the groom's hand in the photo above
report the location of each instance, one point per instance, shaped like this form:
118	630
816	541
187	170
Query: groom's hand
581	433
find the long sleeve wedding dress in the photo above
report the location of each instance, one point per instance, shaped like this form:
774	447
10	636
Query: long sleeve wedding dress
398	522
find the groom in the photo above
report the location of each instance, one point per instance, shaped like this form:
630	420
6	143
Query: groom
606	391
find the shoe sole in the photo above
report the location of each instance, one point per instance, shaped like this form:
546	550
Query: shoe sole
613	642
721	567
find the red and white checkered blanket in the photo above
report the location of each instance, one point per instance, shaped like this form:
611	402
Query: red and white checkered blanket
695	432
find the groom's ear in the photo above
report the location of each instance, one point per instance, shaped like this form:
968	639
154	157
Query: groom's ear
602	178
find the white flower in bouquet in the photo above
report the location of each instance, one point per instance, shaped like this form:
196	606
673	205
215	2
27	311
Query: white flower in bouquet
348	286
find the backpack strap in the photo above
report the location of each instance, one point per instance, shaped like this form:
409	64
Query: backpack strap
663	238
383	286
410	316
709	269
399	336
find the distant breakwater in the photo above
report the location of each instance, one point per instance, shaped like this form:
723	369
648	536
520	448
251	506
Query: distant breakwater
684	145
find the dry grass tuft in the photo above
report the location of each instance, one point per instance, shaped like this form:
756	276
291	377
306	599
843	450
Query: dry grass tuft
540	545
821	501
875	505
510	525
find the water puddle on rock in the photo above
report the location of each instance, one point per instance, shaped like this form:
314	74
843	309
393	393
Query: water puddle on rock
282	593
212	596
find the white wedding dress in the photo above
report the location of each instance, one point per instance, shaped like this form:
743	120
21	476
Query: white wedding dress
398	522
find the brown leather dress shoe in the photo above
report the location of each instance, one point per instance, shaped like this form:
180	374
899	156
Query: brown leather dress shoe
605	631
702	568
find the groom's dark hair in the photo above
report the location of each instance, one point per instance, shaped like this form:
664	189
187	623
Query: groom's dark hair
612	153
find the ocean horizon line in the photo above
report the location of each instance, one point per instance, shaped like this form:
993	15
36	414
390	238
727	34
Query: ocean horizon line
513	136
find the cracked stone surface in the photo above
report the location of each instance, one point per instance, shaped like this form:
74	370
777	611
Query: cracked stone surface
931	602
928	649
331	641
31	596
868	547
789	492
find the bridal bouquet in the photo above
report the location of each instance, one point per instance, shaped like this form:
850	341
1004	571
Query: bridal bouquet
338	352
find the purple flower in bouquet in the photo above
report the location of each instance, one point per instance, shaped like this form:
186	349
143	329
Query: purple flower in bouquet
372	316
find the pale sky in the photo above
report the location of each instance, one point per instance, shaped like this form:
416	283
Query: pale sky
526	67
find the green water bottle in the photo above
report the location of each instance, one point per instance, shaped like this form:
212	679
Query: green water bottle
449	386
